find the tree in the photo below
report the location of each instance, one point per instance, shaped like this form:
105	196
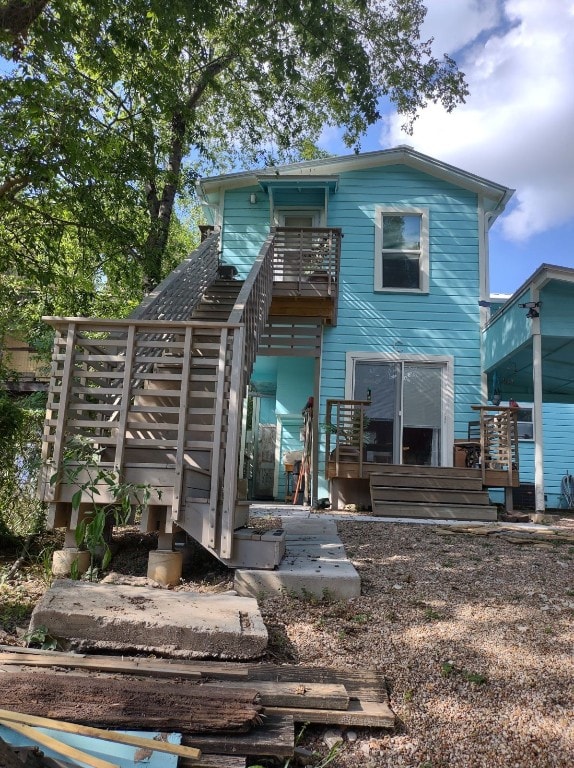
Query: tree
107	98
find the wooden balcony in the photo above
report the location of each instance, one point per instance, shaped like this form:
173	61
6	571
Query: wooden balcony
306	265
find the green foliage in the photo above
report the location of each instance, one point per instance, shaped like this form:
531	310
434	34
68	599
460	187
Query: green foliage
448	669
21	423
81	469
41	638
110	110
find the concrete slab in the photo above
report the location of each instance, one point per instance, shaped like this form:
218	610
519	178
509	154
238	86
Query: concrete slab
315	563
90	616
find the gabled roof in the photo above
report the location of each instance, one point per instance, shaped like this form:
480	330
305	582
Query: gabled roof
496	195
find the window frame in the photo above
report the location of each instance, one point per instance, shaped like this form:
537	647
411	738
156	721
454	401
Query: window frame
525	421
394	210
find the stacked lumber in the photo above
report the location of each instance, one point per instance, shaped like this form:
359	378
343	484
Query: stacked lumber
224	710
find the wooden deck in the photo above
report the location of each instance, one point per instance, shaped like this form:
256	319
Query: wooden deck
409	490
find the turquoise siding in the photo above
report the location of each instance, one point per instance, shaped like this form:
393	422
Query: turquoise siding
245	227
444	322
558	420
556	317
508	332
294	386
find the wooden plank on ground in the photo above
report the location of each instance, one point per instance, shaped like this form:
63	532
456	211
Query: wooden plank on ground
275	736
361	714
367	684
132	666
130	703
214	761
296	694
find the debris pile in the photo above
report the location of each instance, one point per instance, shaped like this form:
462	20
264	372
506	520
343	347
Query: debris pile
224	711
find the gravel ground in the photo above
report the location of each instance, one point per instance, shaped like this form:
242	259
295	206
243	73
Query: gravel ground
473	633
475	637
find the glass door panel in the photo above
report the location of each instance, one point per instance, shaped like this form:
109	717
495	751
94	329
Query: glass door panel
380	383
405	415
422	414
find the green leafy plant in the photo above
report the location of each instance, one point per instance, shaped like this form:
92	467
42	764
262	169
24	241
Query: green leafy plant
41	638
432	615
448	669
81	468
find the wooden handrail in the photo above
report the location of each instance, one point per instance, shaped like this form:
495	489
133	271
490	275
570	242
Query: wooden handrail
498	442
348	427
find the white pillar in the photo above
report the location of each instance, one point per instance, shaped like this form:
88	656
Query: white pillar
537	414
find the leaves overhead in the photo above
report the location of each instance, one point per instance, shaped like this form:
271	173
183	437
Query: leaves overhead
109	109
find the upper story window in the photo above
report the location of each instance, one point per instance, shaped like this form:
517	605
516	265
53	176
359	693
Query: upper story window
401	249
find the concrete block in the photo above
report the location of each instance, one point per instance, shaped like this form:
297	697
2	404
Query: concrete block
63	560
140	619
315	563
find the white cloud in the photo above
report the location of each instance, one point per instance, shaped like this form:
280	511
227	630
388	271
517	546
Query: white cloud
516	127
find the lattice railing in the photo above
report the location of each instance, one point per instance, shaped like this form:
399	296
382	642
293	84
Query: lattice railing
345	428
307	255
498	442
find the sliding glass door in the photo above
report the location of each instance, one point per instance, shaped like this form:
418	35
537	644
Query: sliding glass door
406	412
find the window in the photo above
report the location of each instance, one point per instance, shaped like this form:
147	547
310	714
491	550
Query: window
401	249
525	424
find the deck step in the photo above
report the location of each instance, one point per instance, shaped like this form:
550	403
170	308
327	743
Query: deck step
418	470
431	496
435	511
426	481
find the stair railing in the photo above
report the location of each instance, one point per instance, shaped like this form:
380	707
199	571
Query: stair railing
498	445
345	425
250	314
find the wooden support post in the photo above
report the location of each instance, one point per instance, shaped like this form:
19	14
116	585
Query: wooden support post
125	400
182	425
537	410
217	437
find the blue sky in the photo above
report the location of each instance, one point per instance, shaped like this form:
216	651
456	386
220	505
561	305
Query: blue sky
516	127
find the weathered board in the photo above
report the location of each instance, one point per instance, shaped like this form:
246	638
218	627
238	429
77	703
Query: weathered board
130	703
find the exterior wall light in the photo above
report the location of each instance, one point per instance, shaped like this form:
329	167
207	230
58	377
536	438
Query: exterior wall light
253	198
532	307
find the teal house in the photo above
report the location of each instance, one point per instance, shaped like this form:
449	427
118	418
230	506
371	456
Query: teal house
324	344
393	321
529	356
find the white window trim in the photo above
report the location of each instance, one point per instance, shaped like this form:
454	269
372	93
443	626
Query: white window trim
380	210
526	407
285	210
447	361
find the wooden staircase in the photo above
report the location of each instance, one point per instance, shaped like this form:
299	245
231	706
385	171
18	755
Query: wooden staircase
218	301
429	492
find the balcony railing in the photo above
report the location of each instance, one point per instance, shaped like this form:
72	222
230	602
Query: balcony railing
306	260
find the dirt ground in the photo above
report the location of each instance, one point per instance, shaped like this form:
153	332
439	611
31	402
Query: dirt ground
475	635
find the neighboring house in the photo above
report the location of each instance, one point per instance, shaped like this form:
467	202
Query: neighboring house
26	372
347	348
529	347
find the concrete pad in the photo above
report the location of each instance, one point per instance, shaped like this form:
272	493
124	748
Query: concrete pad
315	563
140	619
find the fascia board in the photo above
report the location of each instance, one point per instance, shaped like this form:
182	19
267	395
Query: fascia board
497	194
